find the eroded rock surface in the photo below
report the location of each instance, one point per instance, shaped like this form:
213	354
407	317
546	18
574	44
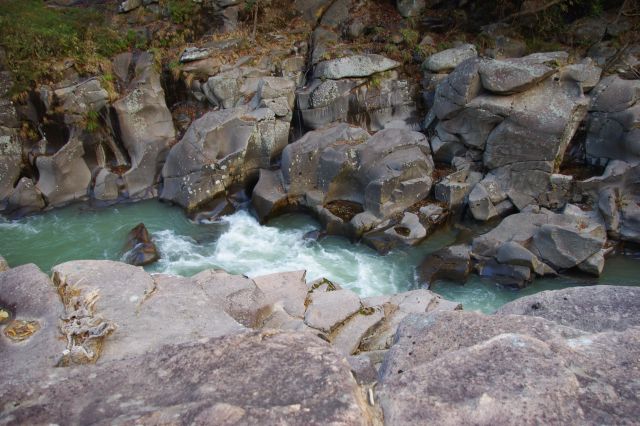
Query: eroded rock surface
230	379
457	367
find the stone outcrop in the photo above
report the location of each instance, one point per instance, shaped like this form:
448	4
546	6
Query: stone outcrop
457	367
220	149
145	124
514	118
353	182
538	241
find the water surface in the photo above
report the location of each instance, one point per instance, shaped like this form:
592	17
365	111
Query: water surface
240	245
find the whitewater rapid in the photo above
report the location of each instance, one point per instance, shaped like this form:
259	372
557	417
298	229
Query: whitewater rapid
248	248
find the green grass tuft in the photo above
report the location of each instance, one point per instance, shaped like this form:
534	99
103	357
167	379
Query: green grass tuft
35	36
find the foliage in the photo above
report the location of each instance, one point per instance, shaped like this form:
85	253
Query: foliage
181	11
35	36
92	121
410	37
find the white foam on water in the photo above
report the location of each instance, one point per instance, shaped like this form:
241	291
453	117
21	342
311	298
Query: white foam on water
252	249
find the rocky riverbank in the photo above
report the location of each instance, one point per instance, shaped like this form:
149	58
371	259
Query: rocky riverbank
106	342
384	120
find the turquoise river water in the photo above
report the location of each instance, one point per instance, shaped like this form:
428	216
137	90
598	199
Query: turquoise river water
240	245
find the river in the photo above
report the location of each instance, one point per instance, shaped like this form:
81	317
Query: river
240	245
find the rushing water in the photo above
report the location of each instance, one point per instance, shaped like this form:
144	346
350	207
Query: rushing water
240	245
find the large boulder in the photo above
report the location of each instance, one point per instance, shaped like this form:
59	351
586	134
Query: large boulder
353	66
64	176
450	263
540	240
256	378
459	368
144	122
219	149
352	181
448	59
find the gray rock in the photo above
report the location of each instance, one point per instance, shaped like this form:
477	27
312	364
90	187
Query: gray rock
481	369
559	240
311	10
106	186
269	196
594	264
137	303
240	297
10	161
227	380
129	5
505	274
192	54
423	338
348	337
146	126
30	341
286	288
512	75
594	309
329	309
451	263
363	369
80	99
450	58
613	120
139	248
345	176
539	128
64	176
25	198
219	149
514	254
566	247
480	203
614	94
586	72
353	66
398	307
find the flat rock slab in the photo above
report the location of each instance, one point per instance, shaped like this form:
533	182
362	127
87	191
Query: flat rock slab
447	60
347	338
354	66
254	378
286	288
469	368
239	296
30	339
328	309
597	308
148	313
